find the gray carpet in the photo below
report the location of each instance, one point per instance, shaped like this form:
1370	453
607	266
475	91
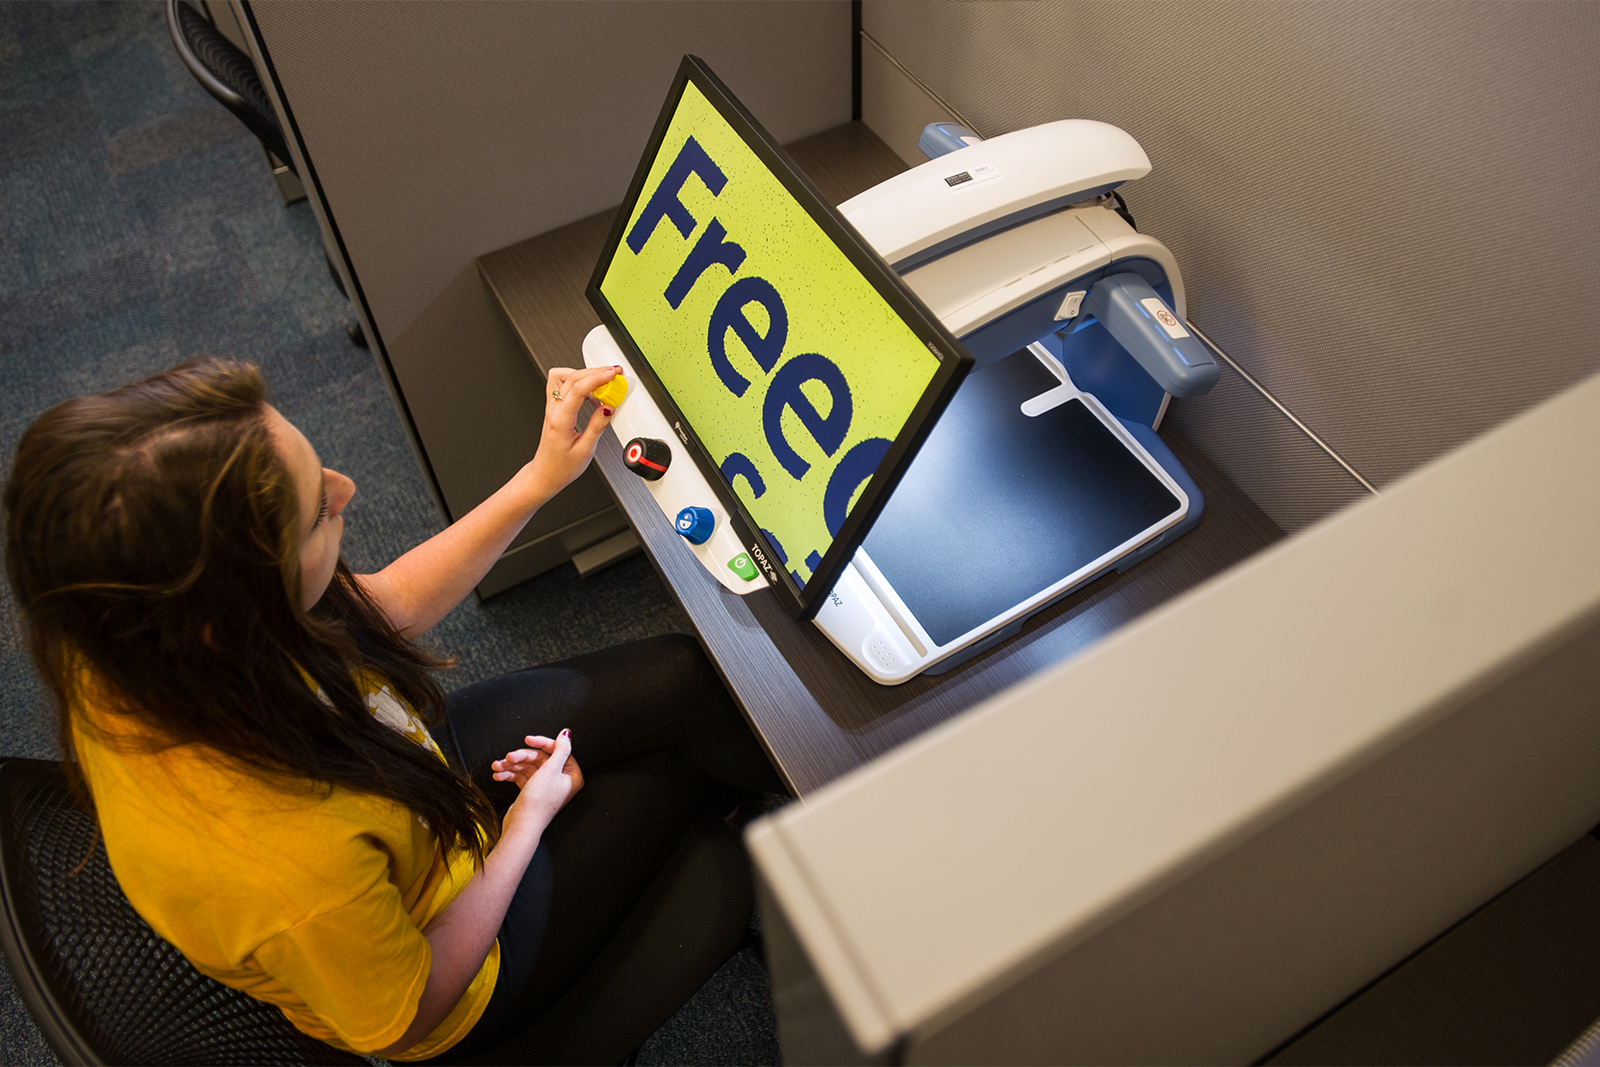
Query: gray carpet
138	227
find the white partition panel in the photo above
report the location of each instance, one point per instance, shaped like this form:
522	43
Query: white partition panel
1195	838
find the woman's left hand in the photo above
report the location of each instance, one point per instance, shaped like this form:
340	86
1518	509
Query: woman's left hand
520	764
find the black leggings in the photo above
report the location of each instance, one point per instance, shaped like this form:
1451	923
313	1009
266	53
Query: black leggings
594	947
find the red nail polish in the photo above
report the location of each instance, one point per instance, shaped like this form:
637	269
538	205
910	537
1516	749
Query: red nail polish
566	733
606	412
617	368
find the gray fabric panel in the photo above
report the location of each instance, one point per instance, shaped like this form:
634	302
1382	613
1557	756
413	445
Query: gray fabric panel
1280	468
1262	452
1384	211
894	106
442	131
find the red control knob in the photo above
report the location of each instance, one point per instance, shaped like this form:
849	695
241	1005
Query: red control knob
647	457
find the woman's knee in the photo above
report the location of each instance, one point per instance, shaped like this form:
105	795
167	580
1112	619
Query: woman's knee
672	653
663	675
686	660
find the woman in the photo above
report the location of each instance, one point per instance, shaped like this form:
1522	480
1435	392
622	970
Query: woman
253	728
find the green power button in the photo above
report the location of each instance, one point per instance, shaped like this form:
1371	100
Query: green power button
742	566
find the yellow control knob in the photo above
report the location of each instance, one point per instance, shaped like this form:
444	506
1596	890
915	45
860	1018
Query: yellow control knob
612	393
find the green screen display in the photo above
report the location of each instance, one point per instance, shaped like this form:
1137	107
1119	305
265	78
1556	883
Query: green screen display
788	364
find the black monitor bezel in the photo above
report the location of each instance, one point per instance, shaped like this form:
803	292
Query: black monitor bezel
954	360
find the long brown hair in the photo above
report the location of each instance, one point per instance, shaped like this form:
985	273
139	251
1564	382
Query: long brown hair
151	542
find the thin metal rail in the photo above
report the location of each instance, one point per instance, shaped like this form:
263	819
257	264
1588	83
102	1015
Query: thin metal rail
924	86
1275	402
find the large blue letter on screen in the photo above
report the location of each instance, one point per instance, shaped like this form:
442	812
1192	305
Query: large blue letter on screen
829	431
709	250
857	466
738	463
692	159
729	315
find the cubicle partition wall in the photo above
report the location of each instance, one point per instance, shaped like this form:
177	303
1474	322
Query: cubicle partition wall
431	133
1383	211
1196	838
1193	840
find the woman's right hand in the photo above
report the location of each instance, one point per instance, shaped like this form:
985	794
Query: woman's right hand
547	775
461	935
563	451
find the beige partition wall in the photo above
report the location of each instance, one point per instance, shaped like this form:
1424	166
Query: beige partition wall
1193	839
1384	212
439	131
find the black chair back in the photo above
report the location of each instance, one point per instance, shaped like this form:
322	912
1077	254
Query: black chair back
226	73
102	985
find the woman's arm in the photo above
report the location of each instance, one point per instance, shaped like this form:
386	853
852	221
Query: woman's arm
420	588
460	935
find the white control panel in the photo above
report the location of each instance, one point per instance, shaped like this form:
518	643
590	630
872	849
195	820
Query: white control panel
682	486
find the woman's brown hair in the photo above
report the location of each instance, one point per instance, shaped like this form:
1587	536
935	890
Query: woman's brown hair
151	542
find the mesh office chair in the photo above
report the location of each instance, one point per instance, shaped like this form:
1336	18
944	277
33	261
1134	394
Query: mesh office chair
102	985
226	73
229	76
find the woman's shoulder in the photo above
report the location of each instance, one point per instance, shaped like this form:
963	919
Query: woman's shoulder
182	798
180	803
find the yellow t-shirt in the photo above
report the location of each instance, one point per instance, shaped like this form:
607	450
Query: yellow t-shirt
313	903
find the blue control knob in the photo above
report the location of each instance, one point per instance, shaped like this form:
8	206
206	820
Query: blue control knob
695	524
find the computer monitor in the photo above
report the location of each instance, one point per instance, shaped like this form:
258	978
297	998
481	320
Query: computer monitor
797	369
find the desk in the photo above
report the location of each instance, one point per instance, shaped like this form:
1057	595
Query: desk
817	714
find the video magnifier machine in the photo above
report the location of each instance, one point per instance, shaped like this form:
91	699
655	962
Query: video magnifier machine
1044	471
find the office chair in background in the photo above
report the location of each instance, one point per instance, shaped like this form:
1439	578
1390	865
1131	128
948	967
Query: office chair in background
229	76
102	985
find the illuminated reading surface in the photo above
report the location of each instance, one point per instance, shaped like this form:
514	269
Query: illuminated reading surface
789	366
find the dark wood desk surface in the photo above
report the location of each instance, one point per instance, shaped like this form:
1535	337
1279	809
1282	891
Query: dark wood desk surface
817	713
